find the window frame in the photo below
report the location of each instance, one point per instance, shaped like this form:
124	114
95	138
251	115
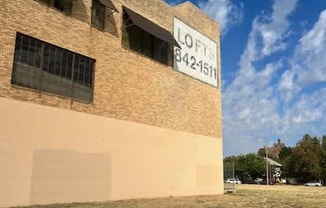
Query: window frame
55	67
128	39
51	3
98	4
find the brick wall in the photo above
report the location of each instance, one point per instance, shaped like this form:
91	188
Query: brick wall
127	85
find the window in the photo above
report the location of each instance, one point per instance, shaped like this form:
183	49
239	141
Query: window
45	67
61	5
142	41
98	14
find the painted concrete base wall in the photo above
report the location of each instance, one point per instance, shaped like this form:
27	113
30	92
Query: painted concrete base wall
50	155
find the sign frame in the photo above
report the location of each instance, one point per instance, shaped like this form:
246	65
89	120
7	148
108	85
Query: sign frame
198	57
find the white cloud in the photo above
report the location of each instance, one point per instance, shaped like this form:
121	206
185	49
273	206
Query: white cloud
250	104
287	86
311	54
276	30
308	108
306	115
223	11
249	110
253	107
268	33
308	65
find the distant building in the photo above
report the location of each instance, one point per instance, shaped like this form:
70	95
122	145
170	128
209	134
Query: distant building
275	169
275	150
108	99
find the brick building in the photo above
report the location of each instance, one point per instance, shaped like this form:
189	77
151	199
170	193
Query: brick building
108	99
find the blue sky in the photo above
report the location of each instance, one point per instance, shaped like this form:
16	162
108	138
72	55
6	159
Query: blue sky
273	70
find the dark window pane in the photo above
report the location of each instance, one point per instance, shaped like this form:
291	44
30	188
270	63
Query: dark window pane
31	52
69	65
58	62
18	48
147	44
46	57
27	51
81	70
24	50
143	42
76	68
66	64
62	5
87	77
160	51
51	59
26	68
134	33
91	73
55	76
38	54
98	14
81	90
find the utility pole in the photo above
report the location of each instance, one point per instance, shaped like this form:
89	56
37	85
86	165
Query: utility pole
266	151
233	175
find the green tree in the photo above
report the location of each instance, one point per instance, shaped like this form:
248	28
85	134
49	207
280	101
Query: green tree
285	155
261	152
251	166
304	162
323	158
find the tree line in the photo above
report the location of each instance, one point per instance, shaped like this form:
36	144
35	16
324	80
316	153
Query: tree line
304	162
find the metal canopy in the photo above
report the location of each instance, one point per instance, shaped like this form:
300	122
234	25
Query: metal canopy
272	162
151	27
109	4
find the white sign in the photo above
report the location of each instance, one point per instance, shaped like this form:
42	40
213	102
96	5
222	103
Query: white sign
197	56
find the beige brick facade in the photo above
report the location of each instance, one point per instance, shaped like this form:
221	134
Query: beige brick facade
128	87
148	92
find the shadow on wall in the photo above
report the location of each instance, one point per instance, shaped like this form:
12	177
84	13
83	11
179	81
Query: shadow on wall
110	24
79	11
61	176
